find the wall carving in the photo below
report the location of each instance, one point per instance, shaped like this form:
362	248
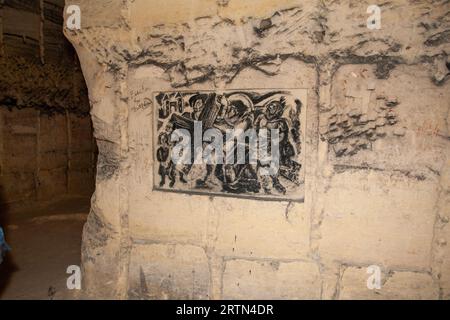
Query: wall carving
216	115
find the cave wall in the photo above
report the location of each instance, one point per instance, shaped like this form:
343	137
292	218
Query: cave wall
46	143
377	173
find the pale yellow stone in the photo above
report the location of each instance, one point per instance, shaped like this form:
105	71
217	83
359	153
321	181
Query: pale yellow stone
271	280
278	230
396	286
171	217
168	272
374	217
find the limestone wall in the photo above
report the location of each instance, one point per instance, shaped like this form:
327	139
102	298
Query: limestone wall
46	144
376	150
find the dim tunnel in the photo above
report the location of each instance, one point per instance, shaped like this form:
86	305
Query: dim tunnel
47	150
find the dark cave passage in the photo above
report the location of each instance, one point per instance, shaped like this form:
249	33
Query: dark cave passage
47	150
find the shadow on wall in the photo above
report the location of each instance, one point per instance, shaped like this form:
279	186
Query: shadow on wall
7	267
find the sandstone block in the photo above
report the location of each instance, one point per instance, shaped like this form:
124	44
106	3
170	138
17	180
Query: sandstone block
244	279
160	271
374	217
394	286
276	230
170	217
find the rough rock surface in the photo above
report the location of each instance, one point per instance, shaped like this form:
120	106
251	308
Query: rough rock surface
377	149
